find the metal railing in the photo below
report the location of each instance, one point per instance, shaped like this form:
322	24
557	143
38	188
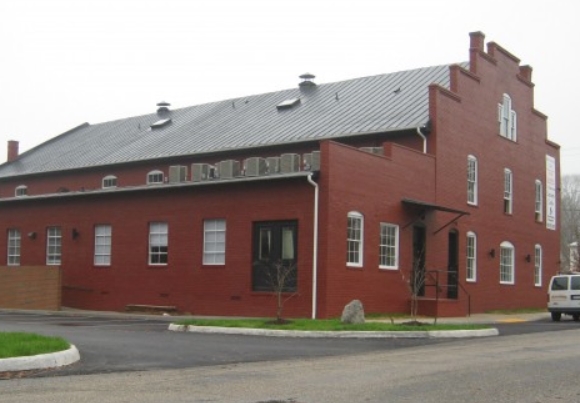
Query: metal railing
433	275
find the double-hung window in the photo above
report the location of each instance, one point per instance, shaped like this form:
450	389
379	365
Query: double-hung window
214	242
53	246
471	256
158	243
508	191
539	204
389	246
103	238
506	263
354	239
472	180
538	265
507	119
13	247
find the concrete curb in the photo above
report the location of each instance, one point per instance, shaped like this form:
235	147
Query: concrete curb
41	361
343	334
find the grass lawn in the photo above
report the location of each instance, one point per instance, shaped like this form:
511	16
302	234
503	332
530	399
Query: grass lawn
16	344
325	325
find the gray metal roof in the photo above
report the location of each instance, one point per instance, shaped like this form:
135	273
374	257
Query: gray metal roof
363	105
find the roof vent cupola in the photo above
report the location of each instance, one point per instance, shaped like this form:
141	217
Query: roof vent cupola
307	80
163	108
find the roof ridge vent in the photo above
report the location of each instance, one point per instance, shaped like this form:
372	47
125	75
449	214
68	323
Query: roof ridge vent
160	123
288	103
307	80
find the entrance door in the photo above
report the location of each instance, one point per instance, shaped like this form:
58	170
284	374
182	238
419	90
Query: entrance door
453	265
419	251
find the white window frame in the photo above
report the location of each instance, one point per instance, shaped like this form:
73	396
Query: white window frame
103	245
155	177
214	242
508	191
389	246
472	185
507	267
21	191
471	257
507	119
53	246
354	239
13	247
158	252
539	203
109	181
538	263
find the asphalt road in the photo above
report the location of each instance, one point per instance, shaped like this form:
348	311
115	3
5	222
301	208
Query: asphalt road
131	343
538	367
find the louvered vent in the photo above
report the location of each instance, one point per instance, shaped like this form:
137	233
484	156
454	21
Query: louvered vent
289	163
273	165
255	166
312	161
202	172
229	169
177	173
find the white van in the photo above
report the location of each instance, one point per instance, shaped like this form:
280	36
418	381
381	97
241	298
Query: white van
564	296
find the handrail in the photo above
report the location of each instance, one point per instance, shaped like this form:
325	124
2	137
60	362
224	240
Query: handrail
439	287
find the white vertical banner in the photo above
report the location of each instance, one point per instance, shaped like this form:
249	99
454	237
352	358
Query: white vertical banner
550	192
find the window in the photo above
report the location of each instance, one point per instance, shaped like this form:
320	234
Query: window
214	242
354	239
472	180
158	243
103	238
539	207
53	246
506	263
154	177
109	181
538	265
275	254
471	256
21	190
507	119
13	247
389	246
507	191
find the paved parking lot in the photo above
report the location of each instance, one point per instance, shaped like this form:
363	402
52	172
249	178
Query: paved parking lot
118	342
130	343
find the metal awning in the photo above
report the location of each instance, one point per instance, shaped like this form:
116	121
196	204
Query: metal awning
426	207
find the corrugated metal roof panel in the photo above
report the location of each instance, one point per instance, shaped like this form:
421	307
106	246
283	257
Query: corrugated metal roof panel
368	104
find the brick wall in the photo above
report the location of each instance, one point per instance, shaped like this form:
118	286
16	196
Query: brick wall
465	122
30	287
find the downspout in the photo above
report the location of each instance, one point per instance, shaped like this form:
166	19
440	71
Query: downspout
314	247
424	139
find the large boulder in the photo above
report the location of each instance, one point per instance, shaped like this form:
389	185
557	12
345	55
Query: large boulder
353	313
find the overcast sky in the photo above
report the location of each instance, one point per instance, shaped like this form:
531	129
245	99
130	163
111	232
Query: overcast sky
66	62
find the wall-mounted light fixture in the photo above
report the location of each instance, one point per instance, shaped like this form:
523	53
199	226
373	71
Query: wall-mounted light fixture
492	253
528	258
75	233
32	235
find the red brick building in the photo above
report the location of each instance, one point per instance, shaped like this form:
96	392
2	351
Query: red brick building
443	174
